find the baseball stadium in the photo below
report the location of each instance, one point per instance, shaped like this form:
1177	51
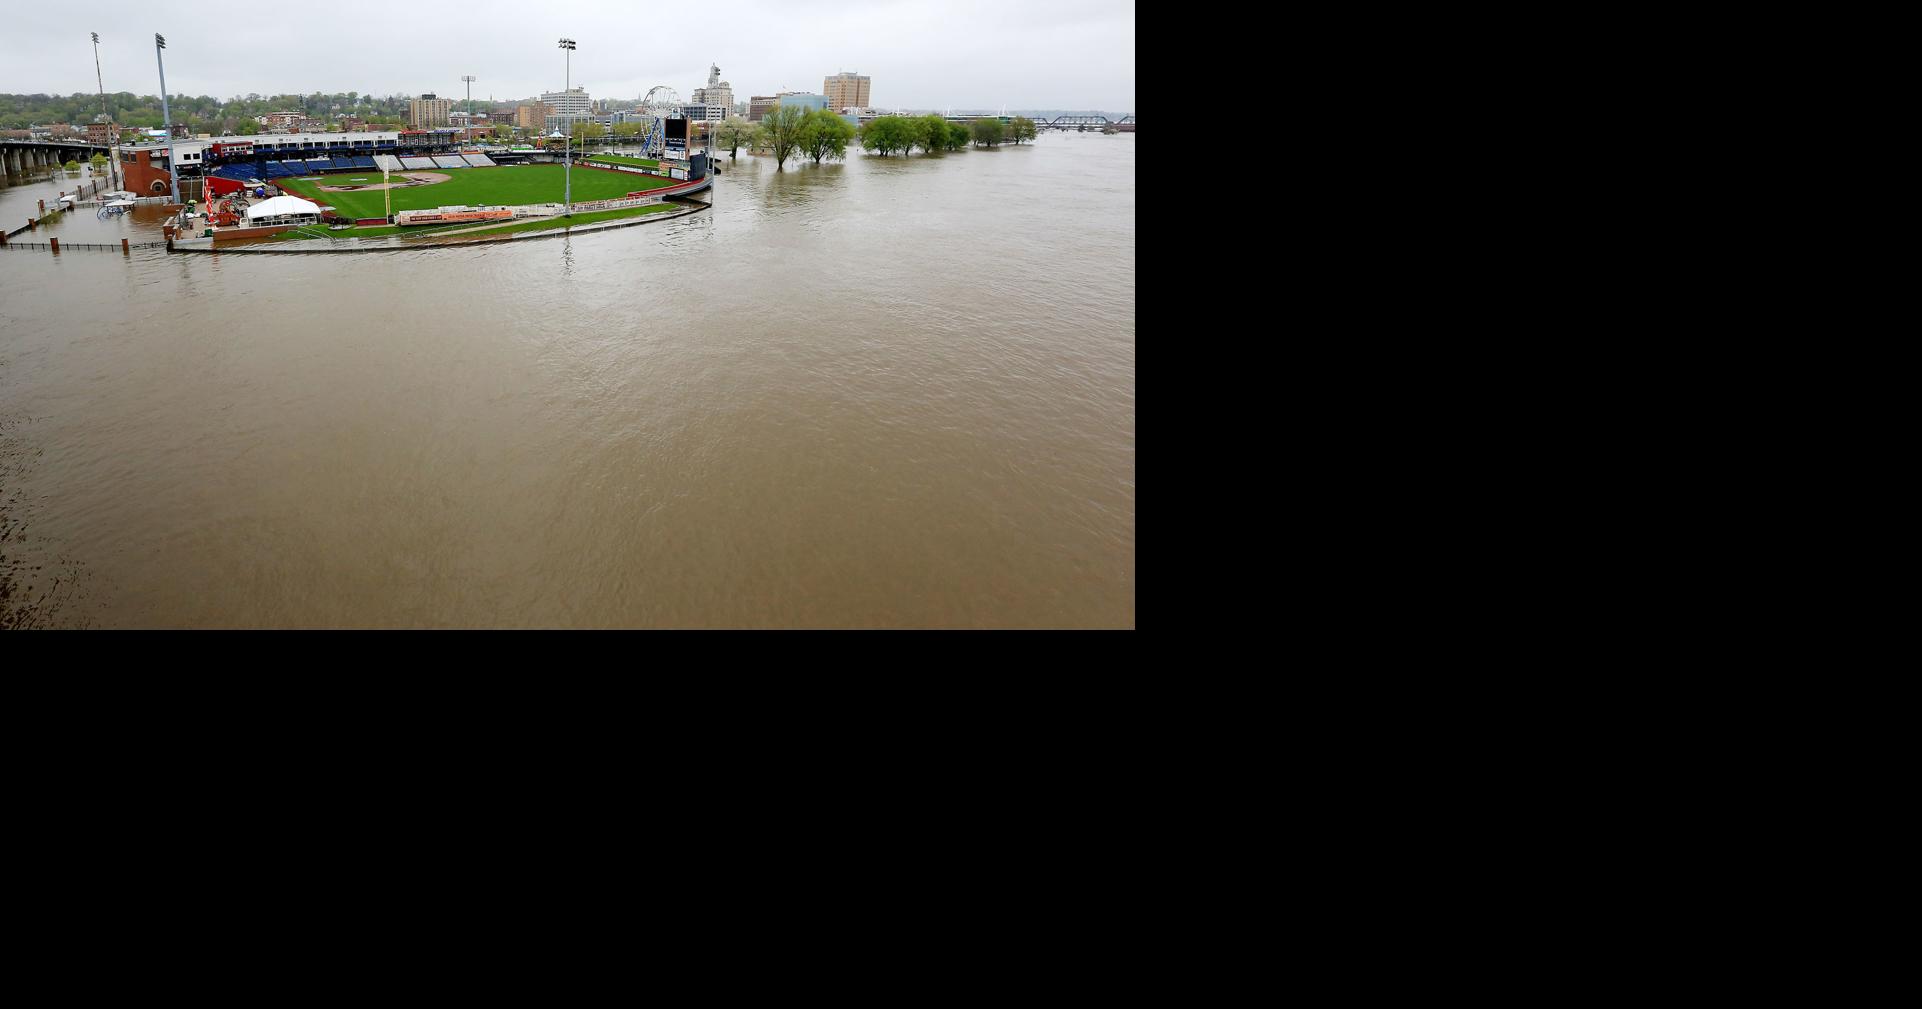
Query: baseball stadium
362	186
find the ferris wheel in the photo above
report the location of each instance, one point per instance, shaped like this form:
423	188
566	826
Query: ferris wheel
661	103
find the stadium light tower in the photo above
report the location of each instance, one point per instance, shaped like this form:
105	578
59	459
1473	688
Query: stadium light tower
113	141
470	79
167	116
567	163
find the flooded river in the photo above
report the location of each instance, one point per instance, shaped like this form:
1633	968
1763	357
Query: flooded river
887	393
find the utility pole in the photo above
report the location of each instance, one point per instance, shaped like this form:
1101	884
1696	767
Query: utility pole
166	116
113	140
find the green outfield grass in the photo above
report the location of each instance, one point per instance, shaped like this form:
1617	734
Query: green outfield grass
555	223
473	187
544	224
620	159
373	231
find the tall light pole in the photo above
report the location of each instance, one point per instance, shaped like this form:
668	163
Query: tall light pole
567	162
470	79
166	116
113	140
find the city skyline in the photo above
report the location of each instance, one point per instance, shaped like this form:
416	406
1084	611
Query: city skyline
1068	54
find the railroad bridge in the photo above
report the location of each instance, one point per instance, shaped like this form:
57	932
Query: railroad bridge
17	157
1126	124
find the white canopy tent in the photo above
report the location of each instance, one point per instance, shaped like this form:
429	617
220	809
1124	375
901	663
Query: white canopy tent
282	206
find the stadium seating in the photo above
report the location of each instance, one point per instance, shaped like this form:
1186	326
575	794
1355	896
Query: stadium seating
364	162
419	162
388	161
478	160
449	161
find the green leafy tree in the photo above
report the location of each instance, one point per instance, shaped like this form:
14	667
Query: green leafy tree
734	132
780	133
98	161
1021	128
825	135
987	131
957	136
887	134
930	133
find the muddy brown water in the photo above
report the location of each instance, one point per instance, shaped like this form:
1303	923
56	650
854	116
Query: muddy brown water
886	393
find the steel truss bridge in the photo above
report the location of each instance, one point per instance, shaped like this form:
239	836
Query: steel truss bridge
1125	124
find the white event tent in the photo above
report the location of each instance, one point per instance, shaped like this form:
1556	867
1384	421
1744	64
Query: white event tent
283	210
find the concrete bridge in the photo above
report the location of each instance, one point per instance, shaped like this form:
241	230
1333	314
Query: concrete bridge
18	157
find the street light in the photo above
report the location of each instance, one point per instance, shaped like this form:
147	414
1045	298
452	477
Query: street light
567	162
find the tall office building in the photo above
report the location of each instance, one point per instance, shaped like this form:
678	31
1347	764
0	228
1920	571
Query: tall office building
427	112
758	105
846	90
717	95
566	107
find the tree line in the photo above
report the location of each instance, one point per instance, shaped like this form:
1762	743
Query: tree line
204	113
787	131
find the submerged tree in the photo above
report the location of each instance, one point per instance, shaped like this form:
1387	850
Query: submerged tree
887	134
931	132
825	135
734	132
988	131
1021	128
780	132
957	136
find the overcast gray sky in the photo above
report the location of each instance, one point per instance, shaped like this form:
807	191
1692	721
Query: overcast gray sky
1043	54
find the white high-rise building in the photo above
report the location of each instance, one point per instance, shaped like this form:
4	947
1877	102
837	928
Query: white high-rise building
567	106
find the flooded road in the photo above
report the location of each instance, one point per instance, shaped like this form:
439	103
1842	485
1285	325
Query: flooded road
887	393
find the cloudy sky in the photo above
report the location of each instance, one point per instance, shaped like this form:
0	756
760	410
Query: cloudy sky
1040	54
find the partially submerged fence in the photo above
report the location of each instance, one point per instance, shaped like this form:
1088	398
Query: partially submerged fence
56	246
